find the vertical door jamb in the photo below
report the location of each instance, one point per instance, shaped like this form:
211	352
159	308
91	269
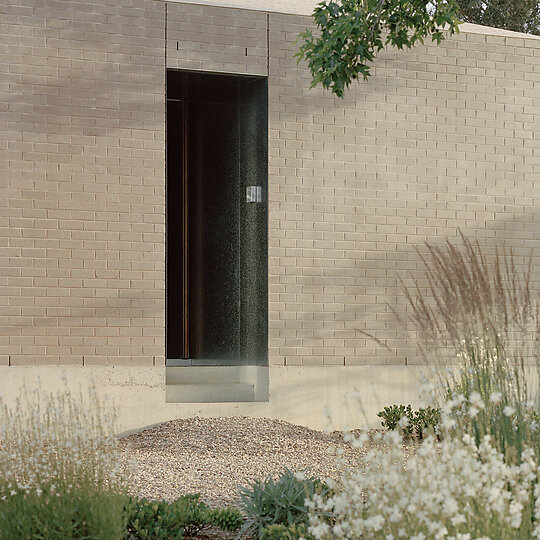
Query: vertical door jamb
185	243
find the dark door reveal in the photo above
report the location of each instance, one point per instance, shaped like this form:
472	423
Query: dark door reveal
216	295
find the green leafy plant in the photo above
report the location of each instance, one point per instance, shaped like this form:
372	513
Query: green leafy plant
416	423
163	520
62	473
284	532
226	519
280	502
351	33
425	419
186	516
392	415
153	520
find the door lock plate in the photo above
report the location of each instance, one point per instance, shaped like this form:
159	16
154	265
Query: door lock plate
254	194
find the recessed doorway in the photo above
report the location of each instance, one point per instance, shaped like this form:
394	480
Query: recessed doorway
217	215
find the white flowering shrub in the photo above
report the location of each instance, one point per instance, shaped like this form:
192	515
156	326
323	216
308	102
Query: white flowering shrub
452	490
61	472
489	393
480	482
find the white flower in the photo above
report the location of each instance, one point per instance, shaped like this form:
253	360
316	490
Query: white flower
300	475
448	423
508	410
458	519
515	514
496	397
450	507
320	530
395	516
475	399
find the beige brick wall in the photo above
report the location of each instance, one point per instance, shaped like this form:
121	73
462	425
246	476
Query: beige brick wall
439	138
82	182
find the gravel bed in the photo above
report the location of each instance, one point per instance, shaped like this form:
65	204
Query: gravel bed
214	456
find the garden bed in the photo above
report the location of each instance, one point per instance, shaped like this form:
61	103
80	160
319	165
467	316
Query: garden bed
215	456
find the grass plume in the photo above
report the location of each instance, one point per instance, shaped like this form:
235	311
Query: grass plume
469	294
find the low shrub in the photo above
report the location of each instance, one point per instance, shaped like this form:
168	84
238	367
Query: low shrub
186	516
451	489
280	502
63	477
425	419
227	519
411	423
392	415
283	532
62	474
154	519
483	479
500	396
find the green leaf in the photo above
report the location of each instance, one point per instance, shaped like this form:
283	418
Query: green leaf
351	35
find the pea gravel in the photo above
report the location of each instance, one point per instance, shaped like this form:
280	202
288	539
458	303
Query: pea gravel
214	456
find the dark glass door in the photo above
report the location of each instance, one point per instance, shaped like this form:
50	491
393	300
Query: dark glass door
217	310
214	205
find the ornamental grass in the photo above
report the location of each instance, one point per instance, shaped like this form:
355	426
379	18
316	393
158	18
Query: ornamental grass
62	475
478	478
